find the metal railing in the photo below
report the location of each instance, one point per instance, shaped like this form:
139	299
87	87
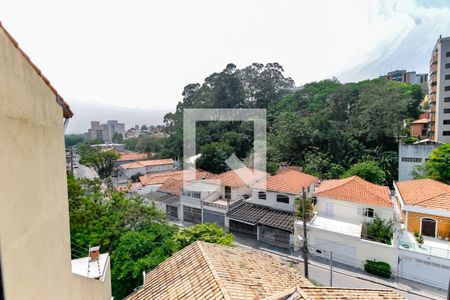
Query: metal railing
424	249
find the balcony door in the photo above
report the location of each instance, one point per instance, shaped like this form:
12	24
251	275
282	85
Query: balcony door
428	227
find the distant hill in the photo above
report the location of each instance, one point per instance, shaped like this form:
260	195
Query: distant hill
84	113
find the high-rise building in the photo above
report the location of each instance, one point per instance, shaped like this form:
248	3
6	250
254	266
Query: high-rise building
404	76
105	132
439	92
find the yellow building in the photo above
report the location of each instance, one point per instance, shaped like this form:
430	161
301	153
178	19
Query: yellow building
425	205
35	243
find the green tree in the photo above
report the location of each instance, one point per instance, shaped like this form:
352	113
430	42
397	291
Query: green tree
379	230
438	164
320	165
309	208
367	170
137	252
117	138
210	233
101	161
73	139
213	157
135	177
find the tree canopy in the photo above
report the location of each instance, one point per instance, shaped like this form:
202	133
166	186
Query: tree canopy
437	166
210	233
367	170
101	161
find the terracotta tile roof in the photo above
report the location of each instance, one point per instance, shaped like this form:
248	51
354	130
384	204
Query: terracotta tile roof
335	293
427	193
289	181
132	156
211	271
258	214
168	199
147	163
355	189
232	178
420	121
67	113
172	186
161	177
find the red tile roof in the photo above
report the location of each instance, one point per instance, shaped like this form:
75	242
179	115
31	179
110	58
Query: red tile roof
147	163
427	193
355	189
132	156
289	181
67	113
233	178
420	121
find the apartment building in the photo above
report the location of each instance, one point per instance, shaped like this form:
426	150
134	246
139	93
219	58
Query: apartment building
105	132
404	76
439	91
35	248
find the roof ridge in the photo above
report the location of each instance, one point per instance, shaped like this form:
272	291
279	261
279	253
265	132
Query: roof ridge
428	199
348	179
367	190
212	268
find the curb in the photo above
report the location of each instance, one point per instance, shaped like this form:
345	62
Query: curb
340	272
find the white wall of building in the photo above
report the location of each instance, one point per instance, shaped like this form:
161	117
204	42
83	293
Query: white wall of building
350	211
271	200
410	152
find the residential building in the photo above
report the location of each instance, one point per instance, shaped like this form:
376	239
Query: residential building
419	127
424	208
35	247
268	215
105	132
410	156
210	271
404	76
342	207
439	92
208	200
143	167
128	157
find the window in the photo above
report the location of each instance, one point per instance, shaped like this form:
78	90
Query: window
447	99
446	110
282	199
446	133
447	77
262	195
368	212
428	227
447	54
447	66
447	88
411	159
228	192
192	194
446	122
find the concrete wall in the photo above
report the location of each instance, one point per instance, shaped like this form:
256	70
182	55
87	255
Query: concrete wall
350	211
346	249
34	214
406	152
271	200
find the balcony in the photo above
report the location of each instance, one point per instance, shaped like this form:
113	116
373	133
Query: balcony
433	90
222	203
431	246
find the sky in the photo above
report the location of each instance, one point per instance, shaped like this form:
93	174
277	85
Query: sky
140	54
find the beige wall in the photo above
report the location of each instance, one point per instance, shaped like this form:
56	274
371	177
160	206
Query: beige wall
34	220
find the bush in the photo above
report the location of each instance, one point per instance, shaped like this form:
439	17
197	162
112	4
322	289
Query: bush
378	268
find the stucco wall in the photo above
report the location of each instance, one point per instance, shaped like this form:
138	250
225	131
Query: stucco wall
421	151
350	211
414	218
34	216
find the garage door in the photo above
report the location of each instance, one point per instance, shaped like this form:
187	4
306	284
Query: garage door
213	217
240	227
423	270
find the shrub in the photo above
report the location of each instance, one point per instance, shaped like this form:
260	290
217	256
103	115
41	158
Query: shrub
378	268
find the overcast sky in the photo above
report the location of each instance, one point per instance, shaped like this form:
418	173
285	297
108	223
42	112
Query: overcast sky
141	54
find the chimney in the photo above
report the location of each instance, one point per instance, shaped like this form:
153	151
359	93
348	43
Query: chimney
94	253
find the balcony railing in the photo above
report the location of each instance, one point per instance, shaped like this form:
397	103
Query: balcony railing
424	249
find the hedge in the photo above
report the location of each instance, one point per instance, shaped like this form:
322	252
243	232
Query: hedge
378	268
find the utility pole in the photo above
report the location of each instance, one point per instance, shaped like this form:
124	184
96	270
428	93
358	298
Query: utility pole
305	237
331	268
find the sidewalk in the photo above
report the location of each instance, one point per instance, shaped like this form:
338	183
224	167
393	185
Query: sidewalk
349	277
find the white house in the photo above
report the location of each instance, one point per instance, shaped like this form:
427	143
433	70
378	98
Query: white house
342	206
145	166
268	214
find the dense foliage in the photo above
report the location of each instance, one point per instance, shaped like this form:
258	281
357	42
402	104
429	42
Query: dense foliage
367	170
203	232
135	233
378	268
324	126
379	230
309	209
101	161
73	139
437	166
